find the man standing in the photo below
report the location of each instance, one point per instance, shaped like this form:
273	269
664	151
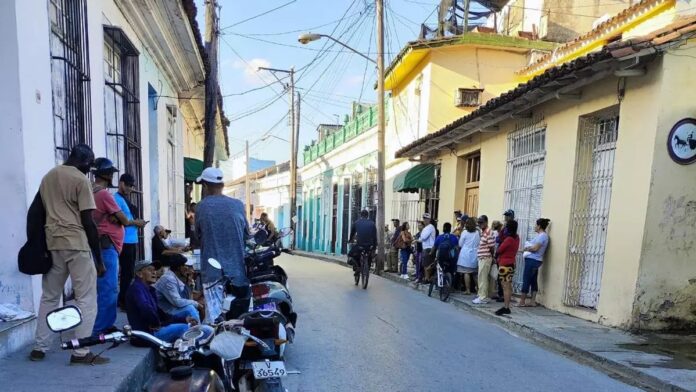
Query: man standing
427	239
126	259
222	229
393	250
485	260
71	236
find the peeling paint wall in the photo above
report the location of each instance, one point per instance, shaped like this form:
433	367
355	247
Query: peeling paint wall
666	297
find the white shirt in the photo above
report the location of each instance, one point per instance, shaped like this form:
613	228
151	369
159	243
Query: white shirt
427	237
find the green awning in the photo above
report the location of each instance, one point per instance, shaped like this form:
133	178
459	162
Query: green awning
418	177
192	169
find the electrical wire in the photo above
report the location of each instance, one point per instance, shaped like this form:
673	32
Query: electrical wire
304	30
259	15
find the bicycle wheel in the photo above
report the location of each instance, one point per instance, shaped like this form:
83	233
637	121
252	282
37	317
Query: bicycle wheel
356	275
365	272
430	288
446	286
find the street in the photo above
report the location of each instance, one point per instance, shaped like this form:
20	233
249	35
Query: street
392	338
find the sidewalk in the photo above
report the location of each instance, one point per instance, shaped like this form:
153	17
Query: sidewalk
659	362
128	370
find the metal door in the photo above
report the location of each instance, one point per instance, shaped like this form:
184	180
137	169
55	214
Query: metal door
594	174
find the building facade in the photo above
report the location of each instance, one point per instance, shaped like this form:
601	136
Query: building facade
121	76
597	139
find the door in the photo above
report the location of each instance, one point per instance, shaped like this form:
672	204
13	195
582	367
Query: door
334	218
346	216
594	173
471	193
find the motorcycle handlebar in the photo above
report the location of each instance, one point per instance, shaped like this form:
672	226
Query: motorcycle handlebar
92	341
150	338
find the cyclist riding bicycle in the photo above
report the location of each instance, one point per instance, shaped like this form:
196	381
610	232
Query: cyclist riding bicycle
446	249
364	234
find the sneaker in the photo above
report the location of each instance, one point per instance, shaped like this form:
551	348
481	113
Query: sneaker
37	355
480	301
502	311
89	359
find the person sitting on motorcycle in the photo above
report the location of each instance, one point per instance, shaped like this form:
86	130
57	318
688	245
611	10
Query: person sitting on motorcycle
143	311
173	292
364	234
270	228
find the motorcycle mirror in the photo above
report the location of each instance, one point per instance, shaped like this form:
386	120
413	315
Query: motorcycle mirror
214	263
285	232
64	318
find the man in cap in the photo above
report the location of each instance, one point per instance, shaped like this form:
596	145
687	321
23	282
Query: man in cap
143	309
393	256
126	259
427	239
110	221
73	240
174	295
161	251
222	229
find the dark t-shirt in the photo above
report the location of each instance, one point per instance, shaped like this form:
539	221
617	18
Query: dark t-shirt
157	249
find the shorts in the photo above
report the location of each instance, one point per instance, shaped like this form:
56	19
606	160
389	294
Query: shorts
506	272
466	270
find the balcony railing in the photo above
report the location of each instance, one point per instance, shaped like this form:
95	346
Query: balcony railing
356	126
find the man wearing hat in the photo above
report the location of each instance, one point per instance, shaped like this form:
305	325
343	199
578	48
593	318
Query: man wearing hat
174	295
143	309
161	251
126	259
427	239
222	229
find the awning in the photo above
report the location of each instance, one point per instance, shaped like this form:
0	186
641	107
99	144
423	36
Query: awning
192	168
418	177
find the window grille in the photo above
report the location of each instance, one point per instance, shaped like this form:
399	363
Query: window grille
524	182
468	97
122	112
589	219
70	82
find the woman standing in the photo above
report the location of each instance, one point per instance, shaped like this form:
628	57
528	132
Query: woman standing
467	262
405	249
506	253
533	259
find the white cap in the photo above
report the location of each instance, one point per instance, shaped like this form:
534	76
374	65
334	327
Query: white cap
426	216
211	175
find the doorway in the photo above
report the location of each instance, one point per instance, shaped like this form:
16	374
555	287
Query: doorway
471	186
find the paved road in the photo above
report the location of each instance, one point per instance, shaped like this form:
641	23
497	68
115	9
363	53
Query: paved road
391	338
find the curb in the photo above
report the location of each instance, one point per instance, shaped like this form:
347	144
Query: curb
613	369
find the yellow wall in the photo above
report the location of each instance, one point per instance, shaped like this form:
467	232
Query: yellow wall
468	67
667	281
629	195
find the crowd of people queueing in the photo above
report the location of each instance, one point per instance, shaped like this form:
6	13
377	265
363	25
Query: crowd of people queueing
474	251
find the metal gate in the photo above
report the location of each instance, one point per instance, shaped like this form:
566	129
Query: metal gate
594	174
524	182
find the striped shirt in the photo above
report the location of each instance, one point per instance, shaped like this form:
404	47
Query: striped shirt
487	243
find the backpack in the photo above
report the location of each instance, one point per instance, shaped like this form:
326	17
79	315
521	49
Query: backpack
34	257
446	252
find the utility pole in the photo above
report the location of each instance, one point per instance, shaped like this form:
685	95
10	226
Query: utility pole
379	265
247	189
212	32
294	135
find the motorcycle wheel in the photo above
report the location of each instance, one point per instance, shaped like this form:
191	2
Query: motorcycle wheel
269	385
365	272
446	286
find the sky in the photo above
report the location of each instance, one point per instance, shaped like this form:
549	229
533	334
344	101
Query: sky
329	78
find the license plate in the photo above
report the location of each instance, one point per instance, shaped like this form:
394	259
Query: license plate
268	369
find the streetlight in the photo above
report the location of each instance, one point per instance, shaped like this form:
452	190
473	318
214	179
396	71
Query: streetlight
310	37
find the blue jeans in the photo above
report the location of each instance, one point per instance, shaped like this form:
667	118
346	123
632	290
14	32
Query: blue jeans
188	310
107	292
171	332
530	275
405	255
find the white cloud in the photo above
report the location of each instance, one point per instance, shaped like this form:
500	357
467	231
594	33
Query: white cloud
250	69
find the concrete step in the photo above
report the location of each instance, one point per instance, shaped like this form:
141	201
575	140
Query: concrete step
15	335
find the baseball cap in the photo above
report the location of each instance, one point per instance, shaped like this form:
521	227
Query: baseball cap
426	216
104	166
211	175
127	179
509	213
140	264
159	228
178	260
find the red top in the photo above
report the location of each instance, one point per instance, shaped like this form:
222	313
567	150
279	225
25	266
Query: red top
507	251
106	208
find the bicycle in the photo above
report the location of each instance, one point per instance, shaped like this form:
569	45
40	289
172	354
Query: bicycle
363	268
443	282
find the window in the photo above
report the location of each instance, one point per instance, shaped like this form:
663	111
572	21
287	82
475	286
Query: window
468	97
122	112
72	122
524	183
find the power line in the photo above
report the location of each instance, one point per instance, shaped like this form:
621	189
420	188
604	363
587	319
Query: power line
302	30
259	15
